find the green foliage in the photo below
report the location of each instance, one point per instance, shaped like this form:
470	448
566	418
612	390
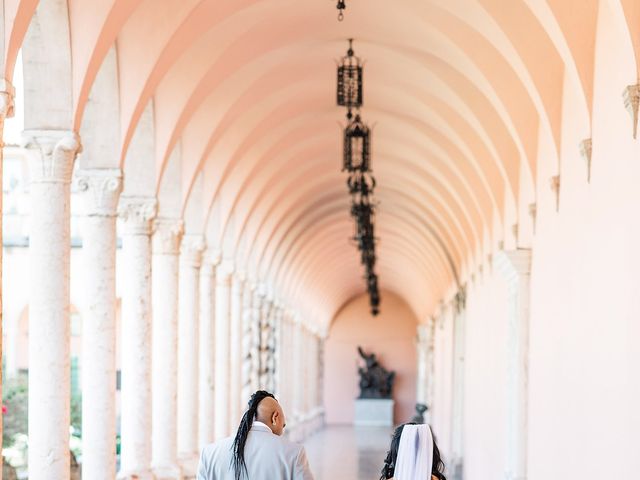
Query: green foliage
15	398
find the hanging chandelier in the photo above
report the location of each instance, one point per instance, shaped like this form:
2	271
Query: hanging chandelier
350	79
356	161
341	8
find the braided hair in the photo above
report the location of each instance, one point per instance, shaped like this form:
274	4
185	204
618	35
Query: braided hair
237	462
392	455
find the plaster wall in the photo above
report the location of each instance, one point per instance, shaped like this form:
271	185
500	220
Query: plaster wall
391	335
585	300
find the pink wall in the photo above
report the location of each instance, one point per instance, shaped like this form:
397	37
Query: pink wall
391	336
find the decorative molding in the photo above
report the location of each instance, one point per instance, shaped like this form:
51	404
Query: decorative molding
585	152
137	214
7	95
554	183
515	230
100	188
167	236
631	98
51	154
191	249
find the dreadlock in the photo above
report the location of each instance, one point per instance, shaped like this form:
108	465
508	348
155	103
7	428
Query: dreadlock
237	462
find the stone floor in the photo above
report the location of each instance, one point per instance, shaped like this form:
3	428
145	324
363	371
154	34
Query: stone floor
347	453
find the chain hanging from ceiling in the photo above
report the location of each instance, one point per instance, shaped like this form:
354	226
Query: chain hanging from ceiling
341	8
356	162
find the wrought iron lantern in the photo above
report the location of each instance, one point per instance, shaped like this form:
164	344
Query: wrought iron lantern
350	81
357	147
341	8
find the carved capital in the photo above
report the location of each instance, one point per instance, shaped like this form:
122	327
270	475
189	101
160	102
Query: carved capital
167	235
460	300
137	214
51	154
631	97
7	94
100	190
533	212
585	153
191	250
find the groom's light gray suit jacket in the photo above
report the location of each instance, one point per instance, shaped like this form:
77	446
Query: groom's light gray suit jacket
268	457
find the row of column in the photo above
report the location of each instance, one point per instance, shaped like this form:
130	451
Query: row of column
187	369
515	266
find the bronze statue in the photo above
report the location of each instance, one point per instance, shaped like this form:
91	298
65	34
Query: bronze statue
375	380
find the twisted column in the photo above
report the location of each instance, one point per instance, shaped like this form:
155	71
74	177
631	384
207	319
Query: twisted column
166	246
206	384
188	323
255	339
235	352
100	193
51	156
137	214
247	316
222	334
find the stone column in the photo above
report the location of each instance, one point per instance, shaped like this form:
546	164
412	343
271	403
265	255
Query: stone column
457	424
188	323
222	334
7	93
277	353
515	265
247	316
235	352
206	387
424	387
166	246
256	336
137	214
100	191
51	156
298	373
265	332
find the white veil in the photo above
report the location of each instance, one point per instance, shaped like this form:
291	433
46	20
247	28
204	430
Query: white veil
415	453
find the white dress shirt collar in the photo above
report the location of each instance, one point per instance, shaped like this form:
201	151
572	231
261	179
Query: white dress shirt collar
260	426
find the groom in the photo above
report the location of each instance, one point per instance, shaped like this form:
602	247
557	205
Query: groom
258	451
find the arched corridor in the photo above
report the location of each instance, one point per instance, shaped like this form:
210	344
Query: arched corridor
177	231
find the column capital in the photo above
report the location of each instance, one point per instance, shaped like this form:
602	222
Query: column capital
212	256
51	154
7	94
191	250
167	236
224	273
100	188
137	214
518	260
631	98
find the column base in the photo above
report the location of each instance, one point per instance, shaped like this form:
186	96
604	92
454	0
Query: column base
168	472
189	465
136	475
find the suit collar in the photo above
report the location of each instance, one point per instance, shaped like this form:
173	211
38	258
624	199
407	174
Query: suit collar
261	427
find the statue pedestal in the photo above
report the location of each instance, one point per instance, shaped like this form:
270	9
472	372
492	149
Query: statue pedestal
373	412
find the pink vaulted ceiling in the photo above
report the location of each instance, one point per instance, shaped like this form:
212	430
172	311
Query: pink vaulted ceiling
458	93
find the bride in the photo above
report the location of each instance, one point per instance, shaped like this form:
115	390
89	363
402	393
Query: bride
413	455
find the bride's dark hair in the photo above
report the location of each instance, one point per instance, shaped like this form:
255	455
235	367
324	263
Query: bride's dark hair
392	455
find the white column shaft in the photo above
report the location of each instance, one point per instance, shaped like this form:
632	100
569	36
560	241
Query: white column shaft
101	192
51	159
135	457
516	267
222	334
166	244
247	312
235	352
206	389
188	324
